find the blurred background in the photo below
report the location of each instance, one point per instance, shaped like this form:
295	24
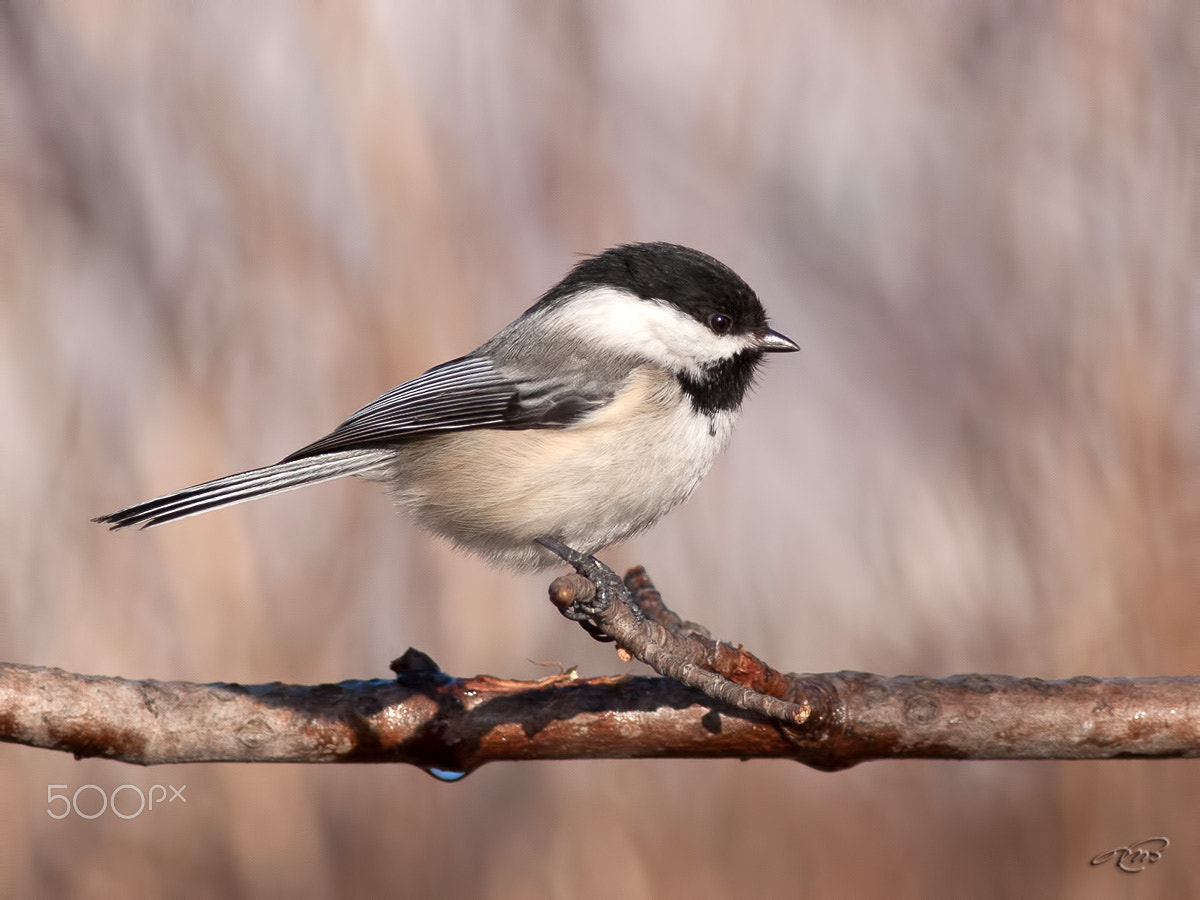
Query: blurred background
226	226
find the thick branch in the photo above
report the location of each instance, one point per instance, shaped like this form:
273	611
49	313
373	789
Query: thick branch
431	720
747	709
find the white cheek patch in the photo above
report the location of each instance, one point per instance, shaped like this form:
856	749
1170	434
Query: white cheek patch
625	324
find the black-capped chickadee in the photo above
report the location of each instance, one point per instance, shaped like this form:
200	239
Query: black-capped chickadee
584	421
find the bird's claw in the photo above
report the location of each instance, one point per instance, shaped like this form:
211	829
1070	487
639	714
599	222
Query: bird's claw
608	584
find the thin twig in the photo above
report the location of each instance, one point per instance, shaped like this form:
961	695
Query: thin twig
659	638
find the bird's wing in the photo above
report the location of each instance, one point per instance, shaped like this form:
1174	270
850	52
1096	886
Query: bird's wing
469	392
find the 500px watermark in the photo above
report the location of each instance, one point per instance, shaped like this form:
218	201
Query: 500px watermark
126	801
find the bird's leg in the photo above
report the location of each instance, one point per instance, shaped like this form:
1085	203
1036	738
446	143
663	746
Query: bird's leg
609	586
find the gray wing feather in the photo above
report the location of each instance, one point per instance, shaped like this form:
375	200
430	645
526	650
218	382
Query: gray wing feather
469	392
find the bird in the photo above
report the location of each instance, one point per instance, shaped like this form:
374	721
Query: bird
580	424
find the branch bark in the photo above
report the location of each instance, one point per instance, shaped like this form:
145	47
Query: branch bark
734	705
428	719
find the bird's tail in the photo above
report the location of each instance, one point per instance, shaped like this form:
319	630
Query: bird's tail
231	489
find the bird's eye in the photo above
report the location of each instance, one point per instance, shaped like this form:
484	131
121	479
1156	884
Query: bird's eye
720	323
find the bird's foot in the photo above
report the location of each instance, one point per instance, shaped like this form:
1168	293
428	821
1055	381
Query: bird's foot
608	584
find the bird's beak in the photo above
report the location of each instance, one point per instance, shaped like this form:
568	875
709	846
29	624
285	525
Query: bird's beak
774	342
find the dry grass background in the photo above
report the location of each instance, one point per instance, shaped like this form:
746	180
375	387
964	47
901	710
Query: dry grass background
225	226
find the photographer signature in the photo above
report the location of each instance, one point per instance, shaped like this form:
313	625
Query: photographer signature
1135	857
